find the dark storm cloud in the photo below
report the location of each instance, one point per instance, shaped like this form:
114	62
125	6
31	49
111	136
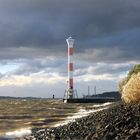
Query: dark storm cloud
48	65
41	26
115	69
103	68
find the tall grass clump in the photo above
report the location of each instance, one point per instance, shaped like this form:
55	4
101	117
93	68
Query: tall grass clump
129	87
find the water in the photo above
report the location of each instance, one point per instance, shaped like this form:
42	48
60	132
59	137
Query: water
18	133
18	117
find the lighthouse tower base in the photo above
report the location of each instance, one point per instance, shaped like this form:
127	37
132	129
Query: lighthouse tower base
70	94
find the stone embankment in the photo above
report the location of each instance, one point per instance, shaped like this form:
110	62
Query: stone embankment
119	122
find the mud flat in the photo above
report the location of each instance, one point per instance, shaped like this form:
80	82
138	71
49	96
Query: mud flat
119	122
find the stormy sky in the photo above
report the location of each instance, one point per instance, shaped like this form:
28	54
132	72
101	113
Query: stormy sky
33	50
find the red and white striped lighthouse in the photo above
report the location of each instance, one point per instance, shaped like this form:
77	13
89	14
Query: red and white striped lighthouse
70	90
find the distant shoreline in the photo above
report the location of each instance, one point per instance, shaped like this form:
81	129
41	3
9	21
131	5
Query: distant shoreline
114	94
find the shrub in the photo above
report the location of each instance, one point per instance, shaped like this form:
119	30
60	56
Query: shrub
130	86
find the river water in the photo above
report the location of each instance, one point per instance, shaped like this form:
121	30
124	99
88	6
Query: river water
20	116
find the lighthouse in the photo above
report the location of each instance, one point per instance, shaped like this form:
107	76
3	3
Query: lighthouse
70	88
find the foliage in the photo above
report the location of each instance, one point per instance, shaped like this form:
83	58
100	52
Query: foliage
131	91
129	87
135	70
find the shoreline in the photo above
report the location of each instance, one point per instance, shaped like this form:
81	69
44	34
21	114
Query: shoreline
82	112
120	121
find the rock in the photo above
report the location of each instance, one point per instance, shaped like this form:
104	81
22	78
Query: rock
120	122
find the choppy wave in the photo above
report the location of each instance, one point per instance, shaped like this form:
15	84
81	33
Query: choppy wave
18	133
83	113
52	108
101	105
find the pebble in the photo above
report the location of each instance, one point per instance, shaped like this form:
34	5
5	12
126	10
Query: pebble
120	122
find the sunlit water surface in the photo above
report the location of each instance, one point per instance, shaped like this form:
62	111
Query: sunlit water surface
18	116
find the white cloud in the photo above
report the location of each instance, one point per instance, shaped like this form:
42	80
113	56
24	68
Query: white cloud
89	77
21	80
44	77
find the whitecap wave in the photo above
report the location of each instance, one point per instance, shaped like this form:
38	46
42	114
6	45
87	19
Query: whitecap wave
81	113
52	108
101	105
18	133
